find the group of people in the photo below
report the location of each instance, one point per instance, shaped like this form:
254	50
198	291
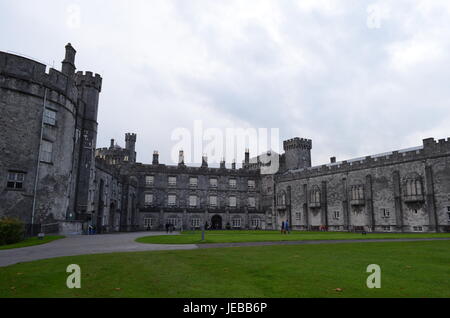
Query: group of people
285	227
169	227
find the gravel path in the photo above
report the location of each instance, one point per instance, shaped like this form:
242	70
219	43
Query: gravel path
125	242
86	244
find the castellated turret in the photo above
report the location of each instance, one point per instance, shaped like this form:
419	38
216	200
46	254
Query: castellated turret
297	153
130	145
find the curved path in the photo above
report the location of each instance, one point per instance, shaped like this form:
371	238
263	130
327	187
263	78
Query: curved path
125	242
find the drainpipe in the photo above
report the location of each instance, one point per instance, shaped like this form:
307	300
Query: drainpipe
38	163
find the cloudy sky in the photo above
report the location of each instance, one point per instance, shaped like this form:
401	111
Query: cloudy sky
357	77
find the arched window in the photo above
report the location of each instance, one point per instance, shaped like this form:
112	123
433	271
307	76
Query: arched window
315	195
413	187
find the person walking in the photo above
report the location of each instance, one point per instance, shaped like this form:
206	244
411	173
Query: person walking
286	227
167	227
282	227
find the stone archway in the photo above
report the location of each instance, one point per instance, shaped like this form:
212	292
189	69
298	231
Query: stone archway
216	222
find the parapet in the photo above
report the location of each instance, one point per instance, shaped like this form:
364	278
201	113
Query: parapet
34	72
297	143
88	79
130	137
430	145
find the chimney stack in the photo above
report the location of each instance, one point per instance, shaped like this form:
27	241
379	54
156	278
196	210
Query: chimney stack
222	164
333	159
68	65
181	158
233	165
204	162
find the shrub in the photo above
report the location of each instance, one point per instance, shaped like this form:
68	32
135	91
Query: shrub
11	231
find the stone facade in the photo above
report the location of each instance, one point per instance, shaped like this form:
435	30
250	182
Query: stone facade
51	172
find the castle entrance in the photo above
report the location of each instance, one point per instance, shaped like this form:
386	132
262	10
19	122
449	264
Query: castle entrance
216	222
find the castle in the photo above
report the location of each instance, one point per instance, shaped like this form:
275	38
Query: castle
52	174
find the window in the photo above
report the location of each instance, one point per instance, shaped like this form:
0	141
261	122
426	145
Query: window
213	200
386	228
256	223
49	117
315	195
149	180
172	181
174	221
233	183
252	202
46	151
413	187
148	198
236	223
298	216
148	222
126	158
193	182
172	200
357	192
251	184
417	229
195	223
281	199
15	180
232	201
192	200
385	213
213	182
336	215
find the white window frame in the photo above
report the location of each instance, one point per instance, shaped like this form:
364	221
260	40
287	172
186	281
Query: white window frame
252	202
49	117
195	222
236	223
171	202
232	199
172	181
213	182
232	182
46	154
15	180
148	222
256	222
193	182
146	201
193	201
211	203
149	180
251	184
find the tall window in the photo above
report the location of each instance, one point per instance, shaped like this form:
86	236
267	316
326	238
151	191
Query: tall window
298	216
256	222
414	187
251	184
195	223
174	221
46	151
148	198
213	182
149	180
337	215
172	200
315	195
49	117
172	181
213	200
252	202
232	183
232	202
148	222
193	182
357	192
281	199
15	180
192	200
385	213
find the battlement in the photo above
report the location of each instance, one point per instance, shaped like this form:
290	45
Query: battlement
88	79
130	137
430	148
33	72
297	143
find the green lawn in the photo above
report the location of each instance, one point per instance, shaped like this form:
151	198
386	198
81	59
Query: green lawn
408	269
190	237
31	241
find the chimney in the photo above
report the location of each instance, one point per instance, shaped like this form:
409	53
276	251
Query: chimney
333	159
204	162
112	143
233	165
222	164
155	158
247	156
68	65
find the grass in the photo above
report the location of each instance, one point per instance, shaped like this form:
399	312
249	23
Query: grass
190	237
31	242
408	269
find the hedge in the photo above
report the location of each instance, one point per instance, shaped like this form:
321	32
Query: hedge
11	231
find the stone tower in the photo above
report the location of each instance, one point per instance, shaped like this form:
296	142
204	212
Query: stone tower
130	145
297	153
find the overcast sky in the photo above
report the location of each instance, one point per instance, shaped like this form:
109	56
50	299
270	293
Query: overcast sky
357	77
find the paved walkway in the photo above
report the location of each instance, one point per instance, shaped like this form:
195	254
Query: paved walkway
124	242
84	244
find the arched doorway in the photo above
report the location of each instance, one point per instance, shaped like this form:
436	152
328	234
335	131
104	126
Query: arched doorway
216	222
